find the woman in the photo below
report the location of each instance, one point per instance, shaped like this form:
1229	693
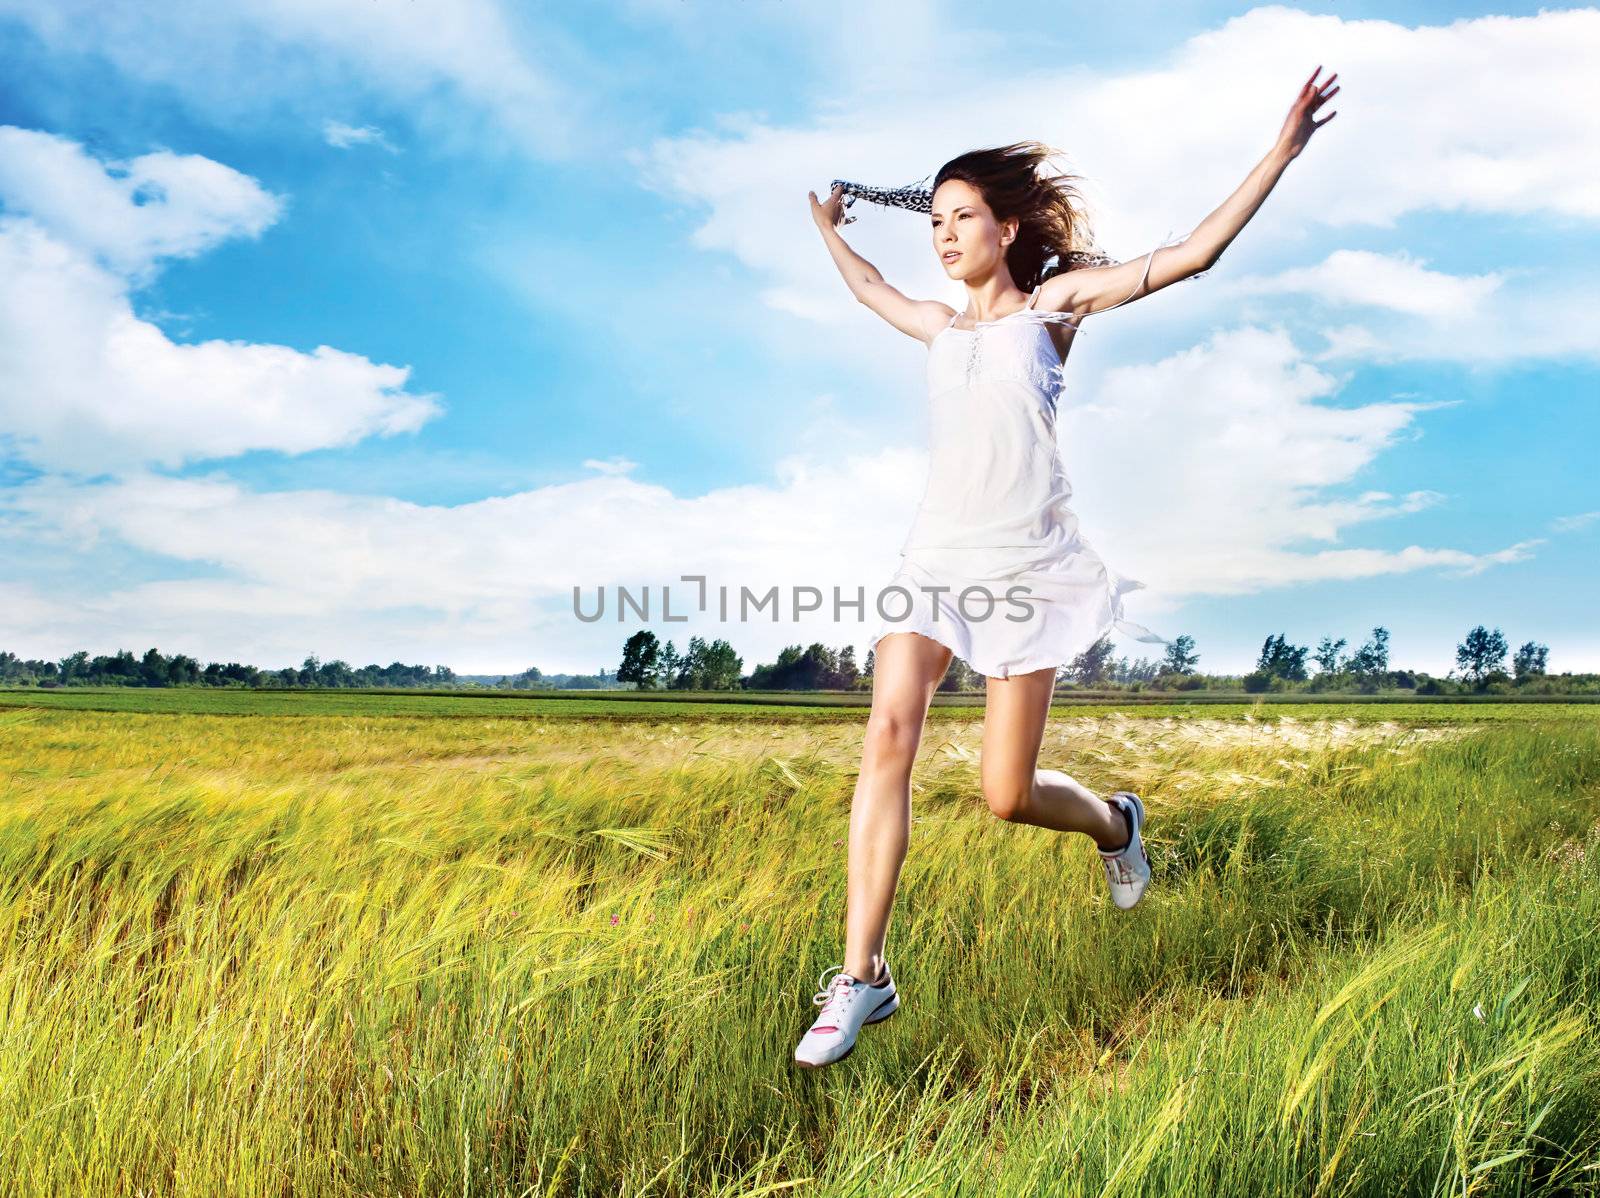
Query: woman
994	529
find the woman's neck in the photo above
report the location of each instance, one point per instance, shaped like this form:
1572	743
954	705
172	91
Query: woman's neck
990	297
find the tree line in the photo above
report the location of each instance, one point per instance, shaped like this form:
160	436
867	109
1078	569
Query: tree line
1281	666
156	669
1480	660
648	664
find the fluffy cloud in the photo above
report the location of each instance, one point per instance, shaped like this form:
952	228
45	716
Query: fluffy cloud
1394	282
1216	470
1407	312
1161	147
1219	470
342	136
86	385
444	61
476	584
127	214
1575	522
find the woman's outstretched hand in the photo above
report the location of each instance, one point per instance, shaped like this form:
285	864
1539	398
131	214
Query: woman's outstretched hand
828	213
1299	125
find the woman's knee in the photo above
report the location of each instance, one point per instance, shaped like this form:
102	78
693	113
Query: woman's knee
1007	795
891	739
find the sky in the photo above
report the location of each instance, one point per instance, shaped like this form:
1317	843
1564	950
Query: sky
371	330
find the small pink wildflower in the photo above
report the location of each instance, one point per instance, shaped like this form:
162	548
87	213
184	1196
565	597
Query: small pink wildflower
613	919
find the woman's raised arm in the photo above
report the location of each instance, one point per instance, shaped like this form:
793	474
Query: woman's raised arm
1097	288
921	319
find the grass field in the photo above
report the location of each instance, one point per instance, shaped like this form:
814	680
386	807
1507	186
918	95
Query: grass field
414	946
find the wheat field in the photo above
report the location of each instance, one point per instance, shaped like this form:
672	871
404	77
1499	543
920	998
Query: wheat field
522	954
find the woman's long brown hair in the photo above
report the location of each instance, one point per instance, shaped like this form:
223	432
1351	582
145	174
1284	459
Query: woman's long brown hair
1053	233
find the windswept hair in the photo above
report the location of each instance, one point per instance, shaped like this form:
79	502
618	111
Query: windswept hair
1019	180
1053	233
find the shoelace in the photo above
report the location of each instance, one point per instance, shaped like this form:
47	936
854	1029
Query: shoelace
1117	869
833	996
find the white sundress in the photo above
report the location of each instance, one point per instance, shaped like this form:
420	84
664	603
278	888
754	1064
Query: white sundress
995	513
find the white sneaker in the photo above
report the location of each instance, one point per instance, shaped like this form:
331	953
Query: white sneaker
848	1005
1128	868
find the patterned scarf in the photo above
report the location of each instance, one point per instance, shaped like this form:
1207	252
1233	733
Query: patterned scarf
918	198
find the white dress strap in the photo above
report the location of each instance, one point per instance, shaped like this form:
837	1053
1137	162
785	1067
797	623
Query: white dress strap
1066	318
1148	261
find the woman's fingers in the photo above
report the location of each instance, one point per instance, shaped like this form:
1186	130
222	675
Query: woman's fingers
1311	84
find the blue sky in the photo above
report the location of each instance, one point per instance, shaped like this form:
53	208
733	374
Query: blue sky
368	330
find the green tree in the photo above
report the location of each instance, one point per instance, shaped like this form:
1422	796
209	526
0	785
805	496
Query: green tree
849	672
1282	660
1529	660
691	675
815	667
669	666
1142	670
153	669
1327	654
722	666
1481	652
640	657
529	679
334	673
1092	664
1180	657
960	677
1370	663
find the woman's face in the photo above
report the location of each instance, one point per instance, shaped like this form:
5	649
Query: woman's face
966	238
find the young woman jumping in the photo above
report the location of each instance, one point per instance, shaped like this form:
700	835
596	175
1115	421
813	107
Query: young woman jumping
994	537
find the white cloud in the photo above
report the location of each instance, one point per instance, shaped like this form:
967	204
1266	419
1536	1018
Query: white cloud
129	213
478	585
1417	314
1574	522
1207	472
1212	470
1162	147
342	136
446	61
1217	470
613	465
87	386
1398	282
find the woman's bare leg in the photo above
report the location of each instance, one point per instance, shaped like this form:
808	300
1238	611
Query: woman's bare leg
907	669
1013	730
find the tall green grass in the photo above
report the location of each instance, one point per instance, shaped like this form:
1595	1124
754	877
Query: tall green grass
335	955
